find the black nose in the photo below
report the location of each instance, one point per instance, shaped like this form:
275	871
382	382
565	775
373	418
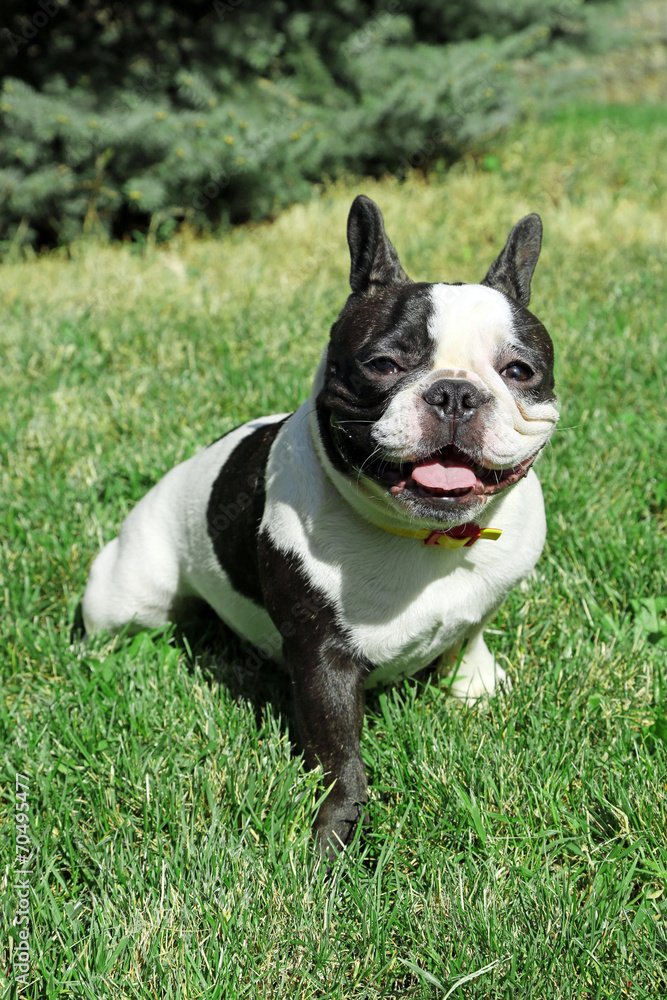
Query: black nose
456	397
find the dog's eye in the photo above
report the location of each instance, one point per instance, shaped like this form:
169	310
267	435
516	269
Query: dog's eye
385	366
517	372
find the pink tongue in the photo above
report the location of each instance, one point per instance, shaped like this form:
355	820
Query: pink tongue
444	475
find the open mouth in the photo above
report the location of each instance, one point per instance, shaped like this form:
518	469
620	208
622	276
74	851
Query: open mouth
448	474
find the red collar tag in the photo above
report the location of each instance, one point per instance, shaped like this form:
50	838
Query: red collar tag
465	534
454	538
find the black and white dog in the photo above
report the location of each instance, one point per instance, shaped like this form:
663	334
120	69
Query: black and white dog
374	531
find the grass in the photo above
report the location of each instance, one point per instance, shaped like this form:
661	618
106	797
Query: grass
516	852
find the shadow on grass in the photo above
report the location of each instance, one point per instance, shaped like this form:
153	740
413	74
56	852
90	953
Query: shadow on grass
209	646
223	658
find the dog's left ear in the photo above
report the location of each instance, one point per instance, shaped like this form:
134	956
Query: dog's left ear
512	271
373	261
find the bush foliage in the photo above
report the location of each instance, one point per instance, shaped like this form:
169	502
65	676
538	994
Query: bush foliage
119	116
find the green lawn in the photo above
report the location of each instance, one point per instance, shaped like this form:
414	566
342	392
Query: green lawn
518	852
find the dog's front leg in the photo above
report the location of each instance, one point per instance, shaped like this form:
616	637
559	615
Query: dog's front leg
328	690
476	672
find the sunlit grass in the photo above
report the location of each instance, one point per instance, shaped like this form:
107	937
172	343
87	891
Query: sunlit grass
169	812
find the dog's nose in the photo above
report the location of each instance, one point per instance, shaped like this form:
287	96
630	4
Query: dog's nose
455	397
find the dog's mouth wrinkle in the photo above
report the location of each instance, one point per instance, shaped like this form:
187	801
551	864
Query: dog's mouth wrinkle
397	476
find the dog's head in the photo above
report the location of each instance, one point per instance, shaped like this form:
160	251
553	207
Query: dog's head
435	398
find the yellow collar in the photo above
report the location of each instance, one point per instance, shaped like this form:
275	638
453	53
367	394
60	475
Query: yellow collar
454	538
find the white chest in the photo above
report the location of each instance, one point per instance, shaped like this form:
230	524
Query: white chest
403	604
400	602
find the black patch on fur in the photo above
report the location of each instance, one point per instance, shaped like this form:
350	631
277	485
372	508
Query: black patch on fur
536	349
392	322
235	510
328	689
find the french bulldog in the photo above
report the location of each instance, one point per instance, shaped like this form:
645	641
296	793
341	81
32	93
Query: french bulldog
373	532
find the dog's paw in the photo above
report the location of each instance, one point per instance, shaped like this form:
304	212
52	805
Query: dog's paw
335	827
486	679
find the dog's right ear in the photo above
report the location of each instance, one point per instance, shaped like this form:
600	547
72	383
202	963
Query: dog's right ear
511	273
374	262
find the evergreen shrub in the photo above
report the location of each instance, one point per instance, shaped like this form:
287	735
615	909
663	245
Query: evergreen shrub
118	117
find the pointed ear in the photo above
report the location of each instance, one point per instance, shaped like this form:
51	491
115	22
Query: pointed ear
512	271
374	262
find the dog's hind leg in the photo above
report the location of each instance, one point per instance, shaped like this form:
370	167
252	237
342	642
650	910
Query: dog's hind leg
135	580
123	590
